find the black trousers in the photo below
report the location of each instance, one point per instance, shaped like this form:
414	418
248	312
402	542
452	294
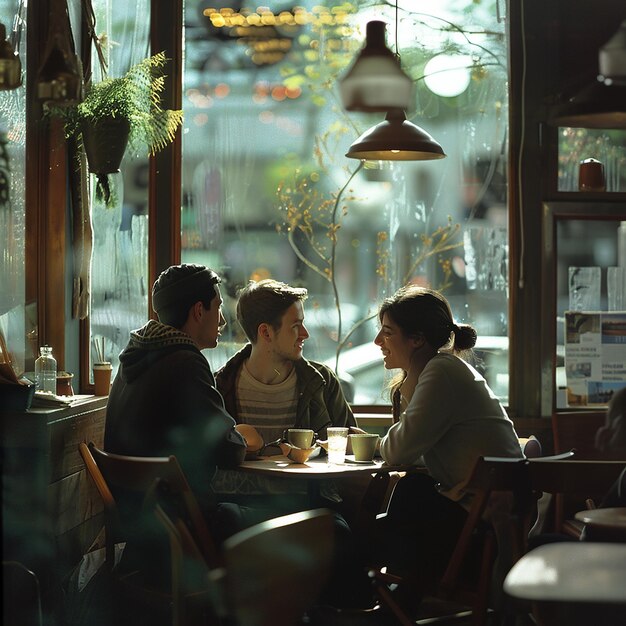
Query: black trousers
417	536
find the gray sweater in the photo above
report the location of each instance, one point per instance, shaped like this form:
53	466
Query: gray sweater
452	419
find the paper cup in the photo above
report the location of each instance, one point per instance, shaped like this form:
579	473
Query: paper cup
102	378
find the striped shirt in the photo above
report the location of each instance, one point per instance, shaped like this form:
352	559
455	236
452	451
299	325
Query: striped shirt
270	409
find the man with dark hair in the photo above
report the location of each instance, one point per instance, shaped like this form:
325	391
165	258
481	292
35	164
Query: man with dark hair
164	401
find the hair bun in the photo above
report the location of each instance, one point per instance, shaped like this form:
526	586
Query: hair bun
464	336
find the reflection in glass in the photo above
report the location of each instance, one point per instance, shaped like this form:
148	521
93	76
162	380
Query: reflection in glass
584	288
486	256
615	277
119	269
18	319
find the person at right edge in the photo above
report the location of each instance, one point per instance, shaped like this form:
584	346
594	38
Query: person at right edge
445	417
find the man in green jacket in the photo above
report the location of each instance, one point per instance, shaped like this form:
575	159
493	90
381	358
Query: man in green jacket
270	386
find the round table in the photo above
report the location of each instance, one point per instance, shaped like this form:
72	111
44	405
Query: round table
605	524
572	582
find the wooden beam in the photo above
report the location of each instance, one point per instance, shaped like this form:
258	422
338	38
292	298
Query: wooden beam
166	34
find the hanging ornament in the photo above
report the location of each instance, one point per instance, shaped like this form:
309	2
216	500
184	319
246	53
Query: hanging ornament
10	65
60	76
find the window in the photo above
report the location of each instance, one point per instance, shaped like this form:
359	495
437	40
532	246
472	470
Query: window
18	318
268	192
119	274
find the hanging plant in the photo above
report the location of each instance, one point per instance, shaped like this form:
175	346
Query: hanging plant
117	112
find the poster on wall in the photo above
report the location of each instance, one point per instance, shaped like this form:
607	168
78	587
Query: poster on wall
595	356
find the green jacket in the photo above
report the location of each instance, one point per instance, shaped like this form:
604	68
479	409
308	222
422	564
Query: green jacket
321	402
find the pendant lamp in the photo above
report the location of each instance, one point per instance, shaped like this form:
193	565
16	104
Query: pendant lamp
596	106
376	82
395	139
612	58
602	102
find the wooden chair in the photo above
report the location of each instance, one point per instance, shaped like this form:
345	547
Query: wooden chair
576	481
274	571
576	430
380	488
193	601
21	597
499	486
140	475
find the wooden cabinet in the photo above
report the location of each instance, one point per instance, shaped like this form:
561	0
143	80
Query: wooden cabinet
51	511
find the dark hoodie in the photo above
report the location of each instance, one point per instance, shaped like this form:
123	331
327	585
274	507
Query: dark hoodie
164	401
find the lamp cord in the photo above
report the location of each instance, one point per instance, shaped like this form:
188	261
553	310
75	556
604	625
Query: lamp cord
397	46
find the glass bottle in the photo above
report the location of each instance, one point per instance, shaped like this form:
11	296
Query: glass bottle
46	370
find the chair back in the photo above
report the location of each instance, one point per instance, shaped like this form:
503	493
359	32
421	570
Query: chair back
115	472
194	599
112	525
500	489
274	571
577	430
501	496
585	478
573	482
21	597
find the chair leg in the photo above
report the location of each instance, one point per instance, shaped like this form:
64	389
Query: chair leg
382	591
479	616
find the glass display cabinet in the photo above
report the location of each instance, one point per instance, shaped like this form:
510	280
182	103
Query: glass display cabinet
583	260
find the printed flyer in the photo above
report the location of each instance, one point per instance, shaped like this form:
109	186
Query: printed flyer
595	356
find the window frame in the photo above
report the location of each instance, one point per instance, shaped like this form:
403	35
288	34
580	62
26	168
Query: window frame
47	247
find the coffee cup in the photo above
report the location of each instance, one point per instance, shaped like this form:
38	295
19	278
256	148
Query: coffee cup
363	445
102	378
300	437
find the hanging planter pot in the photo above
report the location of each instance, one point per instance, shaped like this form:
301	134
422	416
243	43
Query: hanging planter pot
105	142
121	110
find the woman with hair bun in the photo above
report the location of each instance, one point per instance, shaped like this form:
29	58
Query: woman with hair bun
445	417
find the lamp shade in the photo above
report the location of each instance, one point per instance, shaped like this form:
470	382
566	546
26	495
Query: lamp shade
395	139
596	106
376	82
612	58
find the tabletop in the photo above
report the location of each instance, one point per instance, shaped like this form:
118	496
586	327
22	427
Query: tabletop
571	572
613	518
317	467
